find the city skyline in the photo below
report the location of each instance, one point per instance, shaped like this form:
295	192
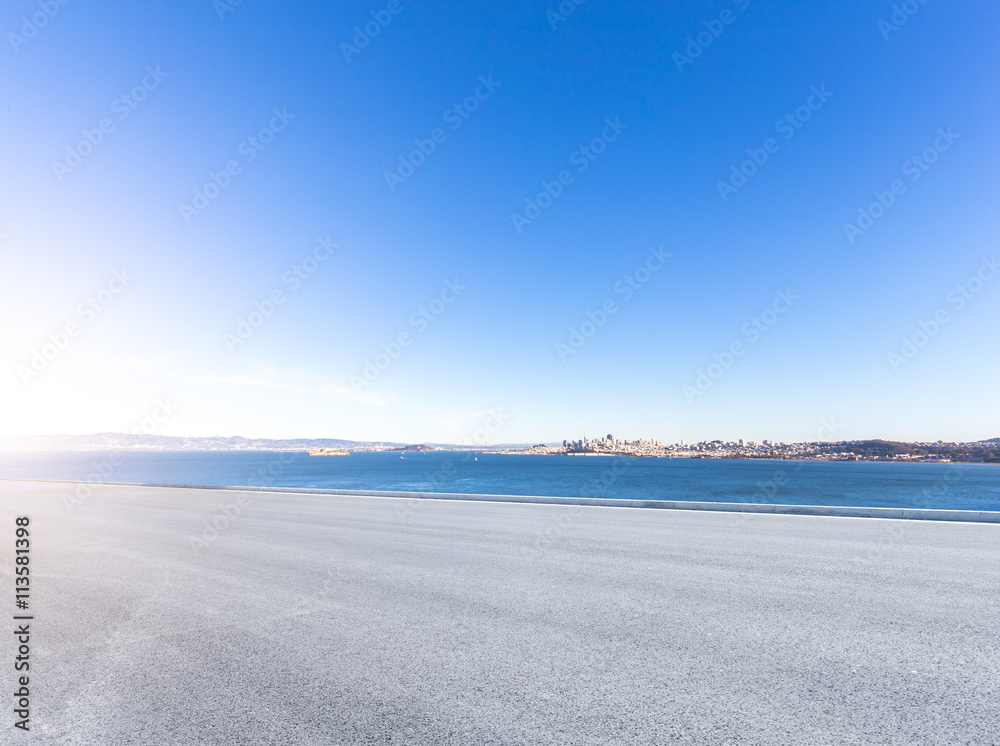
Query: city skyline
145	438
387	222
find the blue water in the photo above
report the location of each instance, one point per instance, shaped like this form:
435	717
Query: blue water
956	486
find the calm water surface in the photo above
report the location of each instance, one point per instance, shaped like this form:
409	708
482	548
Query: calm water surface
957	486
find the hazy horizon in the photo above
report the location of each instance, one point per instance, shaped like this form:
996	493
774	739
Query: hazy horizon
470	443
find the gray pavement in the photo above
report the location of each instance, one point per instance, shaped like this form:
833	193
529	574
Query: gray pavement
320	619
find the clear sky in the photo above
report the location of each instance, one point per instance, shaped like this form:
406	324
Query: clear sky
644	123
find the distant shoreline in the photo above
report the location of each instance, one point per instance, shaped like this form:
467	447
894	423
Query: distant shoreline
498	452
868	449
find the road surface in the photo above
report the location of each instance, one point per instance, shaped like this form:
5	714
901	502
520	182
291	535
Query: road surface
317	619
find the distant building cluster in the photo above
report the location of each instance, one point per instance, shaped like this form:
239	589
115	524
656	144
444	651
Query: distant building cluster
869	450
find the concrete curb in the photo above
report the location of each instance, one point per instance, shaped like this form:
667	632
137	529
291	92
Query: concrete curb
913	514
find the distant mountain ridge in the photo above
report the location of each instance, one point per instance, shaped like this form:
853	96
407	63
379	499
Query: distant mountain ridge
871	449
114	441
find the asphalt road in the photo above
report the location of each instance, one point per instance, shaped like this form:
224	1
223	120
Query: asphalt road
312	619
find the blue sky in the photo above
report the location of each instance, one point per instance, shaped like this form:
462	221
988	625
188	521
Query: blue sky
198	86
